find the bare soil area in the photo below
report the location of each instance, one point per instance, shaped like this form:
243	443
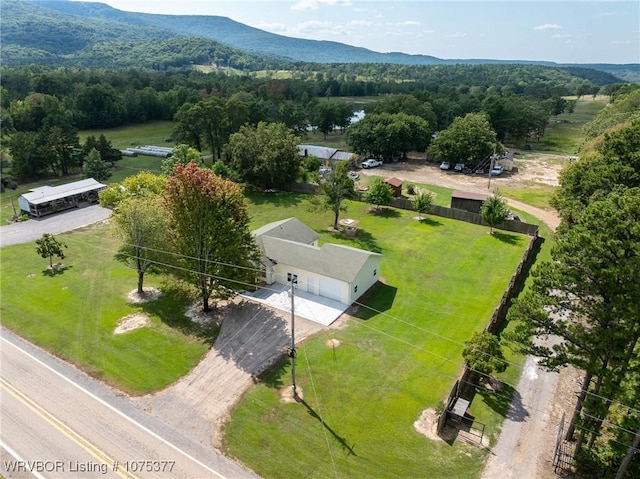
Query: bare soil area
530	169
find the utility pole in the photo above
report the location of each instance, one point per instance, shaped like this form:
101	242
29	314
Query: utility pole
493	159
293	279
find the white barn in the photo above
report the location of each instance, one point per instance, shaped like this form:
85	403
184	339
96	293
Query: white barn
337	272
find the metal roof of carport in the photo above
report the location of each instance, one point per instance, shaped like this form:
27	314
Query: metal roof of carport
45	194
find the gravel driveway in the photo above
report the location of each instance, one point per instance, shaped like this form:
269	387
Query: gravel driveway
31	230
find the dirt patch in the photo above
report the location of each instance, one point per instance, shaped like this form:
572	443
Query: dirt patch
332	343
531	170
286	394
197	315
148	294
427	424
131	322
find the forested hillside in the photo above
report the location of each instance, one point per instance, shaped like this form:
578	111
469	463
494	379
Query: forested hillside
97	26
36	35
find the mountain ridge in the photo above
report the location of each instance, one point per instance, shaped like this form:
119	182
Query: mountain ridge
214	39
243	36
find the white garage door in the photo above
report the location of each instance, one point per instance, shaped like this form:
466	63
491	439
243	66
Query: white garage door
331	289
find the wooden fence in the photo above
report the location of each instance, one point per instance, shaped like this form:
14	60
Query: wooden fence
442	211
463	385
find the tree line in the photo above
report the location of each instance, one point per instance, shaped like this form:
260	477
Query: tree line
589	296
45	108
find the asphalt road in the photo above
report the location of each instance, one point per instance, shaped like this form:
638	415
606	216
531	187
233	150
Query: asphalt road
31	230
78	428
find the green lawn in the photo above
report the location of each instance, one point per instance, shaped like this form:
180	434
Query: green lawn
536	194
442	279
74	313
150	133
564	133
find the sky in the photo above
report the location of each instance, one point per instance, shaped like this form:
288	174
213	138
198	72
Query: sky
574	31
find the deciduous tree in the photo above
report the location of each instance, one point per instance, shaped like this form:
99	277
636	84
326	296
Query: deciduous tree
265	156
48	247
142	225
379	192
336	187
422	201
484	354
181	154
141	185
209	227
494	211
469	140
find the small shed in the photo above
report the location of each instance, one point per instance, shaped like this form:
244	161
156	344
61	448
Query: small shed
465	200
396	185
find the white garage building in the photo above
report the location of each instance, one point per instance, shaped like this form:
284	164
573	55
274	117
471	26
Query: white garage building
333	271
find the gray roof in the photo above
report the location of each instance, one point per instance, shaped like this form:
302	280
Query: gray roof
342	155
50	193
324	153
331	260
291	228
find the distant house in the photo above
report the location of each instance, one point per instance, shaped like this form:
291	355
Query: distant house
51	199
396	185
325	154
333	271
464	200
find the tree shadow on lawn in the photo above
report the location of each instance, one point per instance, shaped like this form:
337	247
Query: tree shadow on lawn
506	401
55	271
170	307
383	212
429	220
363	240
507	238
377	299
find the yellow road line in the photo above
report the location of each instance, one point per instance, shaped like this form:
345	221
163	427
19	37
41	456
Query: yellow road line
66	430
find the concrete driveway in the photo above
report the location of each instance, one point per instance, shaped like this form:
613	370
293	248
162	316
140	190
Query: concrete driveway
31	230
315	308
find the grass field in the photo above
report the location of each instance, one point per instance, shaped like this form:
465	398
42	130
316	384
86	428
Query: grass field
400	356
564	132
442	280
151	133
537	195
73	313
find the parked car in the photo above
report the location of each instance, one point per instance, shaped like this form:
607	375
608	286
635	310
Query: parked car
324	170
371	163
497	170
445	165
459	167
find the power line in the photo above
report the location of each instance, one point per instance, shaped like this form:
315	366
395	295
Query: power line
356	302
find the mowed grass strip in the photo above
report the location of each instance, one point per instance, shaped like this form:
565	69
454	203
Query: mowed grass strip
74	314
400	354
